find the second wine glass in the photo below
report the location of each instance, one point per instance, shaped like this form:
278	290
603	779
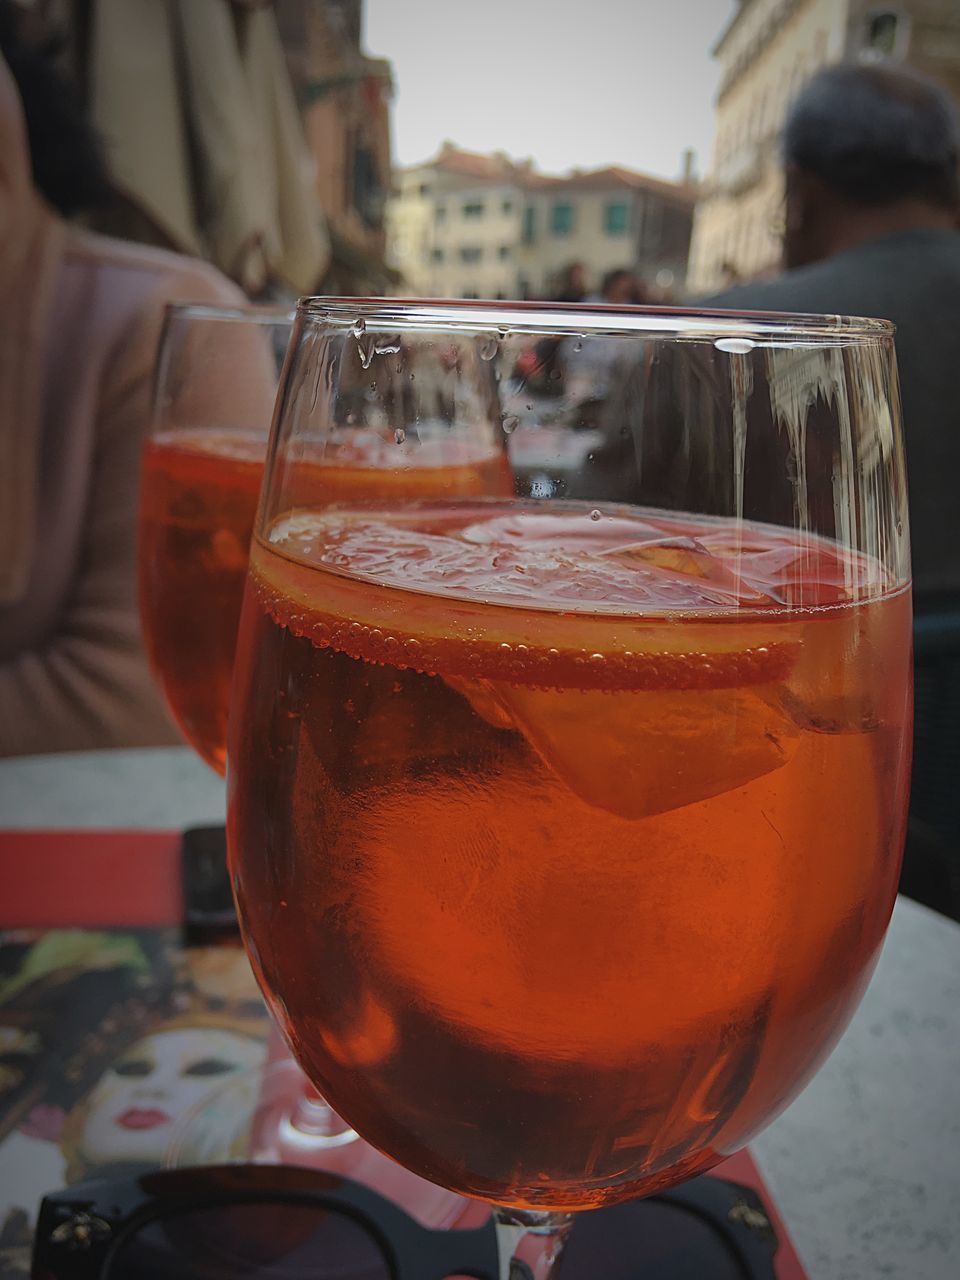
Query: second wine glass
213	401
214	391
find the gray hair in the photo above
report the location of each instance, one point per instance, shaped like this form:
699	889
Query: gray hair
876	134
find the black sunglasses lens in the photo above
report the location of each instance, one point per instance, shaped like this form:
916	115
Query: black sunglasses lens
264	1240
651	1240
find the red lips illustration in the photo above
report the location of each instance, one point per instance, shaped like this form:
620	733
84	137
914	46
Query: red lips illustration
143	1118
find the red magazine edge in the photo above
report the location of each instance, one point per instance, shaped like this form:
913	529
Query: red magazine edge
89	879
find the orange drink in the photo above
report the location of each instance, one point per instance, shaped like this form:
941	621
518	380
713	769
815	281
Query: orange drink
564	838
199	501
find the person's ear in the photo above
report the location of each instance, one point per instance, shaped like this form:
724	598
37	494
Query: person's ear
801	190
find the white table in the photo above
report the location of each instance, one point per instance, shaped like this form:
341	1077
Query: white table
865	1165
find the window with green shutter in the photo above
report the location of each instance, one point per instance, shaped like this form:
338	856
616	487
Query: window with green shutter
561	219
616	218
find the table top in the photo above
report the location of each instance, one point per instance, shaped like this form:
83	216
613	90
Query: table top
865	1164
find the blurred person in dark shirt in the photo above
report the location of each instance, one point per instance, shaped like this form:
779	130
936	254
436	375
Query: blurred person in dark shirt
871	228
571	285
618	288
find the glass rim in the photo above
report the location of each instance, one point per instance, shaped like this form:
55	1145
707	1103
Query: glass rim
505	318
265	313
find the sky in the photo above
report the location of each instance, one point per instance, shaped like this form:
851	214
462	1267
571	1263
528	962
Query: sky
569	83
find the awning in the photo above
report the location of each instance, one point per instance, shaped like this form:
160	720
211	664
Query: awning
194	100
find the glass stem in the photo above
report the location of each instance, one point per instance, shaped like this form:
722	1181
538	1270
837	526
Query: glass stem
314	1123
530	1242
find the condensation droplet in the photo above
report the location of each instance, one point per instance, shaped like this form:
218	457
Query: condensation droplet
387	346
351	419
510	422
358	327
489	348
578	345
365	347
594	514
399	435
735	346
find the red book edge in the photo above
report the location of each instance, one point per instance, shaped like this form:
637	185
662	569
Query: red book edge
117	879
89	879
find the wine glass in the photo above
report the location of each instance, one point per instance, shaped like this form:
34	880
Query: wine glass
565	829
214	393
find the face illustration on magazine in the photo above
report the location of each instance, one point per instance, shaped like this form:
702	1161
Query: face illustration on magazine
108	1039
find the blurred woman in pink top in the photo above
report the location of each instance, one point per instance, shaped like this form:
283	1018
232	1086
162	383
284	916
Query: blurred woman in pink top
80	317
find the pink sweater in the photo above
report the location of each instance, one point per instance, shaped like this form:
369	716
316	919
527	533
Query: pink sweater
80	317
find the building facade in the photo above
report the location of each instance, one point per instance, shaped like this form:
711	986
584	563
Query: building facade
478	226
454	225
607	218
767	52
345	99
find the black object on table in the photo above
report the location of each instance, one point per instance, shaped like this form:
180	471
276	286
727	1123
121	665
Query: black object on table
272	1222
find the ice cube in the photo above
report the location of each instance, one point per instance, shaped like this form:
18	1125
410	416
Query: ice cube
686	561
578	531
797	570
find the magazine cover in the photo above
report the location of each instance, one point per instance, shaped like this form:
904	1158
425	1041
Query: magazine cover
111	1031
108	1039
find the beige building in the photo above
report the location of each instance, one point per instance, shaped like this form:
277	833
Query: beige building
454	225
477	226
607	218
769	49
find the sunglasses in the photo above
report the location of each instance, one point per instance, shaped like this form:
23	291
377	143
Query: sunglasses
268	1222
